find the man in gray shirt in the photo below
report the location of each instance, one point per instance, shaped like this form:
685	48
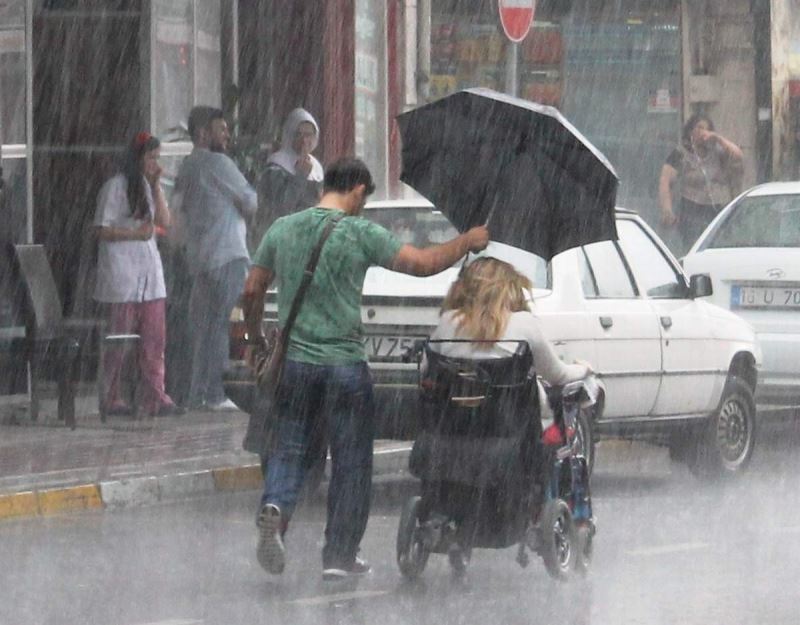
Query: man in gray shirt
215	202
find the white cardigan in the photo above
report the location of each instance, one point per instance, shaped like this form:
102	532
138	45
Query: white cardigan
522	326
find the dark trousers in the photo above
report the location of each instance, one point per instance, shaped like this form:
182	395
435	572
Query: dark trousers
338	398
693	219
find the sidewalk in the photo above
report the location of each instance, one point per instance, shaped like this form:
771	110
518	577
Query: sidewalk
45	468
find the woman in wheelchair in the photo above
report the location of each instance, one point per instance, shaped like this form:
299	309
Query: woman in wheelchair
486	480
488	304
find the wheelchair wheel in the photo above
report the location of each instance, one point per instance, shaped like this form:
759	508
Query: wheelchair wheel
583	558
559	545
412	553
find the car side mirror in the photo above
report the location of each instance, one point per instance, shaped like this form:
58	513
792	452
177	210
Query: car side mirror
700	286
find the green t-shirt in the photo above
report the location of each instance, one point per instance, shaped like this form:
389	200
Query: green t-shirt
328	329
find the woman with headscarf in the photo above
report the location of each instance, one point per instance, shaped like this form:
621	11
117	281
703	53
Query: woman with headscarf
292	180
130	279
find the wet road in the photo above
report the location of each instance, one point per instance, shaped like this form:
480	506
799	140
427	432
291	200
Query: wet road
669	550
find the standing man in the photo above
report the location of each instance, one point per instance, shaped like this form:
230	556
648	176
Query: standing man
216	201
326	382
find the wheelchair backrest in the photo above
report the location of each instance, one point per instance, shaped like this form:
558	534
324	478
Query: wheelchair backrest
492	390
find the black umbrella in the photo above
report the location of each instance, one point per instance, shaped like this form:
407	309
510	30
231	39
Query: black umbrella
483	157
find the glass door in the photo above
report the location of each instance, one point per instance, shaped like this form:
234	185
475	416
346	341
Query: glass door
16	205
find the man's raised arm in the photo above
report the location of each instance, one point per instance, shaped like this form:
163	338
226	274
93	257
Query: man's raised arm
431	260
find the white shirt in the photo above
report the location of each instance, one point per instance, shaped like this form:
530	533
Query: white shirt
522	326
127	271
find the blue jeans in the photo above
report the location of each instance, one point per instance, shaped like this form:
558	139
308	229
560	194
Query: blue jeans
214	294
338	398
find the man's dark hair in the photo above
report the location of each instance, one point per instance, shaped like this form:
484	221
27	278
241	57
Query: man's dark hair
347	173
201	117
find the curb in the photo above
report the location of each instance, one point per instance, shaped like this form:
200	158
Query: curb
388	468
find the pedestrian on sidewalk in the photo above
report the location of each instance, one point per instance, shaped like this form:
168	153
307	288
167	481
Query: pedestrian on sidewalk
292	179
215	203
326	382
130	278
707	168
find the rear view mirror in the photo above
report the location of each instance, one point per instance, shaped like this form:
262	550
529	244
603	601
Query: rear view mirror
700	286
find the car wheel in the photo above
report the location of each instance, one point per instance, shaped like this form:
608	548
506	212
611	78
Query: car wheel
584	437
412	553
559	541
726	445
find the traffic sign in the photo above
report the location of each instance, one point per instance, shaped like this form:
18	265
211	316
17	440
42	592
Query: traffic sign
516	17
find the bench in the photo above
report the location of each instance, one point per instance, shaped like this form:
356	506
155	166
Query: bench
53	342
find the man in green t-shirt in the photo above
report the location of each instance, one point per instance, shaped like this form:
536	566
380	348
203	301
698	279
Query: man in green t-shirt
326	383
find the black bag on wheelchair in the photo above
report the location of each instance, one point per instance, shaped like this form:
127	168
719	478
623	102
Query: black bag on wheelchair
480	418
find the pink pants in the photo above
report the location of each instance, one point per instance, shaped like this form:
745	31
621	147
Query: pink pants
147	319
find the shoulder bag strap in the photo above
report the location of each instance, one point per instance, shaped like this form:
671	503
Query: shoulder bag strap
308	274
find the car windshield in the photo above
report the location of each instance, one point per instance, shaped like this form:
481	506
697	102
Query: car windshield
422	226
765	221
419	226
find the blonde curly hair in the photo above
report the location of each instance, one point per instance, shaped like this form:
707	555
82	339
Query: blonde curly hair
484	296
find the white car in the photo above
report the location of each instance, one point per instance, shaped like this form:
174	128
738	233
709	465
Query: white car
674	367
752	253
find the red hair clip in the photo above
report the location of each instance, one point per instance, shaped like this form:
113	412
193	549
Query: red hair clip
141	138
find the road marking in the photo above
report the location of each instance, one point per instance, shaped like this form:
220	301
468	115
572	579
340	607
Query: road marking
175	621
787	529
340	596
667	549
393	450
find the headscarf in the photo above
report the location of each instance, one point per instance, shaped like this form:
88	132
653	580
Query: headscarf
286	157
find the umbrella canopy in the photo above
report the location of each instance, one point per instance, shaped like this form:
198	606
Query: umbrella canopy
483	157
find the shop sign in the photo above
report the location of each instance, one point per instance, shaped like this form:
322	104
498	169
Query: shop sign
663	101
516	17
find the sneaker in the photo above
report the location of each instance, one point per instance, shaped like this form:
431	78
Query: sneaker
224	405
355	569
270	551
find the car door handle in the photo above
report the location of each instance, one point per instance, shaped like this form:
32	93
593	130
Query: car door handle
606	322
666	322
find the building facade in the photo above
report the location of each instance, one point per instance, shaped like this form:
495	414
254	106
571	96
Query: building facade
79	77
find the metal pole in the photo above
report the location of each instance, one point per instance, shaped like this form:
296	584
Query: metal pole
423	50
512	53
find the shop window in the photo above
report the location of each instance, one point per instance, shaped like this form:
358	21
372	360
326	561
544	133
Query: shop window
468	49
186	62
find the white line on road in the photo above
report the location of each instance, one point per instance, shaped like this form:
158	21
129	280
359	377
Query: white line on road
175	621
667	549
787	529
393	450
341	596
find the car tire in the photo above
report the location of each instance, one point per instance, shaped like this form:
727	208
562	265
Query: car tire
585	438
726	445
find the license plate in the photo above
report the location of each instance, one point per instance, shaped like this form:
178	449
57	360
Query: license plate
765	297
387	347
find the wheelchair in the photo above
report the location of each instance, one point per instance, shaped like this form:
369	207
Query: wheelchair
488	478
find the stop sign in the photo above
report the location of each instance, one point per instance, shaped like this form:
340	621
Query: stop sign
516	17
